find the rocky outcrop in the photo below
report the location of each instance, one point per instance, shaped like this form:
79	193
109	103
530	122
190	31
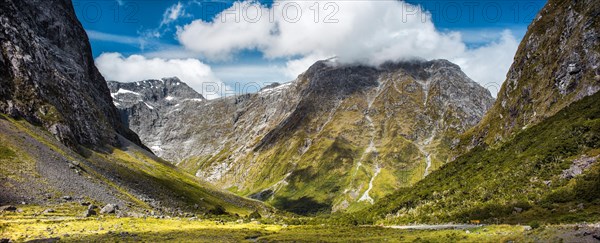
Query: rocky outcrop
579	166
556	64
48	77
327	139
145	107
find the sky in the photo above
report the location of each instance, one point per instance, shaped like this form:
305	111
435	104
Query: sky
237	46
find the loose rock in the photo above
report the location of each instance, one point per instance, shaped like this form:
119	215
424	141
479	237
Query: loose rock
109	208
8	208
89	211
48	211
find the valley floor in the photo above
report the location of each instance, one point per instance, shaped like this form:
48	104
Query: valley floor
63	225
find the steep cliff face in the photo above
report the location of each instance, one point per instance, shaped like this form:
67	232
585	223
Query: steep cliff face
48	75
48	78
556	64
338	137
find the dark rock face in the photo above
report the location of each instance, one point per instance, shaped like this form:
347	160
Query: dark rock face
48	77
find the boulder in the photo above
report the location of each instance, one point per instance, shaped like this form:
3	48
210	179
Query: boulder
573	69
48	211
8	208
109	208
89	211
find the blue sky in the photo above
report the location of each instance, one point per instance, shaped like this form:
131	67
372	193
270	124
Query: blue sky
150	29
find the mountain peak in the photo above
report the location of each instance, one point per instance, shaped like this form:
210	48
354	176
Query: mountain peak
166	90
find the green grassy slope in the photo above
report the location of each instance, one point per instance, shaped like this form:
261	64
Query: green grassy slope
37	169
494	184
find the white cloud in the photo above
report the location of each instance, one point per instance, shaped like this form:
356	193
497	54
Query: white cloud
489	64
144	41
173	13
369	32
372	31
101	36
297	66
198	75
254	73
227	34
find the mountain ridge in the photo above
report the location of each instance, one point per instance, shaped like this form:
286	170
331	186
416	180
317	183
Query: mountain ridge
268	134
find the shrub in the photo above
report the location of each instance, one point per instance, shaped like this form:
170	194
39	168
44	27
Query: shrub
534	224
6	153
255	215
218	210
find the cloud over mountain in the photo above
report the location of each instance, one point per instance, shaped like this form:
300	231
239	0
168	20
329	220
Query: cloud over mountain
370	32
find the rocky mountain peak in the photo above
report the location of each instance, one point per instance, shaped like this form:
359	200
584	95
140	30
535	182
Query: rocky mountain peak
166	90
145	106
328	78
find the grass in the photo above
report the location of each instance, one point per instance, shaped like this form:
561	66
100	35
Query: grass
15	165
69	227
6	153
176	185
